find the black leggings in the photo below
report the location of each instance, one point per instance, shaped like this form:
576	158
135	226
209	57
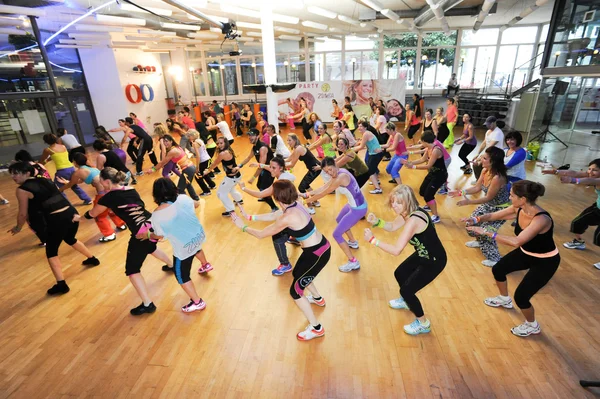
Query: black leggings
431	184
362	179
76	150
37	223
60	228
265	180
132	149
464	151
137	251
414	274
182	268
238	127
211	153
412	130
185	182
589	217
279	241
144	147
373	162
306	129
540	272
205	182
310	263
308	178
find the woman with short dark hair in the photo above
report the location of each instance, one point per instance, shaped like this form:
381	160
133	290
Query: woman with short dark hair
514	157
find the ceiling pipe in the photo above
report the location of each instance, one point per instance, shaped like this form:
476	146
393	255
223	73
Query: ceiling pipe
194	12
426	13
523	14
438	11
34	12
485	10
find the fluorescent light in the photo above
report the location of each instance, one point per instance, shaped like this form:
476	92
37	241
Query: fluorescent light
169	25
286	19
373	4
314	25
253	44
97	36
390	14
36	12
363	24
346	19
159	11
322	12
111	19
245	39
287	37
287	30
185	41
240	11
128	43
98	28
203	35
71	46
249	25
220	19
145	38
216	30
156	32
13	31
155	51
78	41
255	34
127	47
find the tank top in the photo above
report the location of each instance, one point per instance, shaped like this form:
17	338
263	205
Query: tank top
441	147
228	166
355	197
305	232
414	120
472	140
46	197
93	173
439	165
179	157
309	160
328	148
541	243
70	141
202	150
443	129
501	197
256	149
373	145
428	128
451	114
427	244
61	160
356	164
401	147
350	121
252	122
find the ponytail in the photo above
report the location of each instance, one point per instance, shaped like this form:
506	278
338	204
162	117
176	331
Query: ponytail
115	176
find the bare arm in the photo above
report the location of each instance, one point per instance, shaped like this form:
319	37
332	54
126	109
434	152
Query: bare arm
412	226
100	161
23	199
492	191
45	155
76	178
294	156
537	225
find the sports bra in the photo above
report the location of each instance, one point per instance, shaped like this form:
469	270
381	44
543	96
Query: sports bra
93	173
542	243
304	233
178	158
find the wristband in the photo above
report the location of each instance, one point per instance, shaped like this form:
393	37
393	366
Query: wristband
463	193
251	217
372	240
380	223
494	235
240	166
149	235
244	228
413	166
87	215
154	168
376	243
410	153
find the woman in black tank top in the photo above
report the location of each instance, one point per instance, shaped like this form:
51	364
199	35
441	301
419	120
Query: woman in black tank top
226	156
429	123
536	251
420	268
443	131
312	165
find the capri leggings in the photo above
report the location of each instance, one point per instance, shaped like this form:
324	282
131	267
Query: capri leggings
540	272
308	178
465	150
310	263
395	165
137	251
589	217
347	218
431	184
412	130
60	228
279	241
182	268
414	274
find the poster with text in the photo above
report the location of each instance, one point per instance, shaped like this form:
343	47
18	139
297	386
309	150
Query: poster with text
319	96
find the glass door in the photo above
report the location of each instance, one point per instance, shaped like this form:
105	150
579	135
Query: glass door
84	122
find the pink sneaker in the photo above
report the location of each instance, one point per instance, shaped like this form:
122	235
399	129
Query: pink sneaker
205	268
192	307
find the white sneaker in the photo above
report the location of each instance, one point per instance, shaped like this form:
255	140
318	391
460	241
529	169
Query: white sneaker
488	263
496	302
597	265
376	191
111	237
435	219
316	204
348	267
352	244
526	329
311	210
398	303
310	333
320	302
416	327
473	244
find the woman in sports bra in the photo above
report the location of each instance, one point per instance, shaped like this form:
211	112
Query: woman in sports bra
535	252
342	181
294	220
88	175
177	155
420	268
64	168
301	153
226	156
160	131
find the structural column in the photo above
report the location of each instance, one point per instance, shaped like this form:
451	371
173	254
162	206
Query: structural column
268	45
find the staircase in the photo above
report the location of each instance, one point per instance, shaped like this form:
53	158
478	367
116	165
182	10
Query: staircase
8	136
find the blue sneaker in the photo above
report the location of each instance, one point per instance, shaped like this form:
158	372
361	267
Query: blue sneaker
416	327
281	270
443	191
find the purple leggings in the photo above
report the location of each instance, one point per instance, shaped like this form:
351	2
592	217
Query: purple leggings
347	218
170	167
66	174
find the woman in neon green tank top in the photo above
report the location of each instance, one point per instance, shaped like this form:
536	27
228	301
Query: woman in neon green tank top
64	168
325	141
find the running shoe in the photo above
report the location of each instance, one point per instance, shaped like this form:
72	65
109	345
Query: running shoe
192	307
488	263
464	167
526	329
352	244
273	210
320	302
281	270
473	244
111	237
122	228
205	268
311	210
293	241
398	303
497	301
133	182
376	191
140	310
393	181
88	202
443	191
226	213
59	289
4	202
435	219
575	244
167	268
316	204
310	333
93	261
597	265
468	171
205	194
348	267
416	327
426	208
139	174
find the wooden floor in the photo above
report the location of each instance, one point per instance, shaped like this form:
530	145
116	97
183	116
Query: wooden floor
244	344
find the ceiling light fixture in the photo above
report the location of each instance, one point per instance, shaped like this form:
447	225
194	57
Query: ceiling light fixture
286	19
286	30
249	25
255	34
111	19
322	12
314	25
158	11
169	25
72	46
373	4
348	20
98	28
203	35
292	38
35	12
156	32
240	11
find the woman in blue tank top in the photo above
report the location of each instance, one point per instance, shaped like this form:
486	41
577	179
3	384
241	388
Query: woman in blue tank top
374	154
344	183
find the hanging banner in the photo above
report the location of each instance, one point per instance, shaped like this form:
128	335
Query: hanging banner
318	96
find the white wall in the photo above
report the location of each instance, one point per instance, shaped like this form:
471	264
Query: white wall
108	71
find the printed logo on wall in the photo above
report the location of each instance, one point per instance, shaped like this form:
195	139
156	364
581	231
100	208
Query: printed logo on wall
140	93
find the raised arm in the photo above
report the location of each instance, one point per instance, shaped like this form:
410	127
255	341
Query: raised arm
387	226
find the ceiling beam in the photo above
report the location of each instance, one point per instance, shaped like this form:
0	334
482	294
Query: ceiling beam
453	12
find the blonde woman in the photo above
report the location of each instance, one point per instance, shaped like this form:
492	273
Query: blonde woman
423	266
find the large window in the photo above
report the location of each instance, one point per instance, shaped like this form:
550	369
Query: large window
405	65
214	77
481	37
333	66
21	65
248	69
65	64
437	58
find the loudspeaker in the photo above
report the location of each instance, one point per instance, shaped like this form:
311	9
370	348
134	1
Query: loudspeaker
560	87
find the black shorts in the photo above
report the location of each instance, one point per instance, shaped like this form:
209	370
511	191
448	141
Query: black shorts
60	228
137	251
182	268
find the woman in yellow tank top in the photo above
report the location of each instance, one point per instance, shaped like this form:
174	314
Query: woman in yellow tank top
64	168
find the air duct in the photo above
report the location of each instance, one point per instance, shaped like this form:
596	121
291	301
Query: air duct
485	10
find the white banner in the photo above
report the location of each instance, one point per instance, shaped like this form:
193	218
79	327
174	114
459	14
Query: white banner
318	96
